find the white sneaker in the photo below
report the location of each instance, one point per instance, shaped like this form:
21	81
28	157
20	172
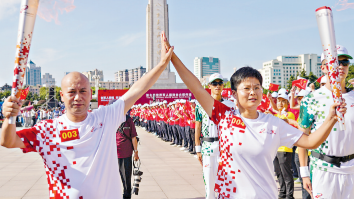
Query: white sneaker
297	181
182	148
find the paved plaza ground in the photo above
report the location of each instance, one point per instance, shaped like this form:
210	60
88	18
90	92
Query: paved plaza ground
168	173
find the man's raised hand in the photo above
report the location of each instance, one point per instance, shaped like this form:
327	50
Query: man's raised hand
11	107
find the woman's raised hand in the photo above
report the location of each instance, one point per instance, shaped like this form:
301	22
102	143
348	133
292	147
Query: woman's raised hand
166	51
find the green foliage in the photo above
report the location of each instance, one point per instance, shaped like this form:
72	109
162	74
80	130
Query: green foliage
43	93
93	100
265	91
302	74
57	93
312	77
5	94
227	84
350	75
289	82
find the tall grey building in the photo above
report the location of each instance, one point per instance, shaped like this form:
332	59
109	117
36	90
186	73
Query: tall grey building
48	80
131	75
121	76
90	74
33	74
156	22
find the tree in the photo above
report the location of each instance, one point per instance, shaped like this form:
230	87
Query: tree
303	74
57	93
5	94
312	77
227	84
350	74
29	96
290	82
43	93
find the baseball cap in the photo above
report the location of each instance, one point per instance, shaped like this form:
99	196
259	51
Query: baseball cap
183	101
303	93
274	94
215	76
193	101
282	90
284	96
342	51
165	102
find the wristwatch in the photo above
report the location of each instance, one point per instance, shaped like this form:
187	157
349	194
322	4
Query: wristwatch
135	151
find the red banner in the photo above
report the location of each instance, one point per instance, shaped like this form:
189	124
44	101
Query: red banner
170	95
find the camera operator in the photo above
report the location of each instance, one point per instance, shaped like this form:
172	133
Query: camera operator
126	144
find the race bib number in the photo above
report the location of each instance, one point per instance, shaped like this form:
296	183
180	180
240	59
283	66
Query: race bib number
237	122
68	135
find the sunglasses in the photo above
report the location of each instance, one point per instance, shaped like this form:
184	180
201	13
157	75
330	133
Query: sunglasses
344	62
217	83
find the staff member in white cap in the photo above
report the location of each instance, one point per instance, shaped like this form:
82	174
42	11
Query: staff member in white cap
208	152
332	163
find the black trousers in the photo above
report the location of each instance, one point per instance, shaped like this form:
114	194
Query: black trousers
125	170
282	166
192	142
177	139
183	137
305	194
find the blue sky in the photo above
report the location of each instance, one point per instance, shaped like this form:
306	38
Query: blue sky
110	35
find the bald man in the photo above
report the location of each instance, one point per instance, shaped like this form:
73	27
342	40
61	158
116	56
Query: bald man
79	148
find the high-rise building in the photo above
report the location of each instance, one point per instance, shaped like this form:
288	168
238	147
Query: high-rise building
206	66
131	75
48	80
156	22
112	85
278	71
90	74
33	74
121	76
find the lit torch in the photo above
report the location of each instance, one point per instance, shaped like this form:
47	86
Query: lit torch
325	24
28	15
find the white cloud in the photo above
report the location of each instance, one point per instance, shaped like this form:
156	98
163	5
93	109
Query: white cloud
9	7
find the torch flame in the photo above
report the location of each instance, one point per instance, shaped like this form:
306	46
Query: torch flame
49	9
344	5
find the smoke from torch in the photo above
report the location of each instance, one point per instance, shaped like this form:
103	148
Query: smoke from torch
344	5
49	9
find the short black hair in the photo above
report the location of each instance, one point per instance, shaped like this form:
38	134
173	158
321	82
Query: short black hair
242	74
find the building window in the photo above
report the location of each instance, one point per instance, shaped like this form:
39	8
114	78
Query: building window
273	77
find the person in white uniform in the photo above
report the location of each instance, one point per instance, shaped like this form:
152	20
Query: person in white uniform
79	148
208	152
249	139
332	163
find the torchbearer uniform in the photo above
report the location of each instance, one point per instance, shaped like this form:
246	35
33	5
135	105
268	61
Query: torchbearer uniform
80	158
336	179
210	148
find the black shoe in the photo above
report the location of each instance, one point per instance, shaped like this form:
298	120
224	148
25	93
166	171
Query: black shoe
172	143
193	153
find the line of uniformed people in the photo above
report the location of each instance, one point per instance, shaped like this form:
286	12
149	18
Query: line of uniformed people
172	122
